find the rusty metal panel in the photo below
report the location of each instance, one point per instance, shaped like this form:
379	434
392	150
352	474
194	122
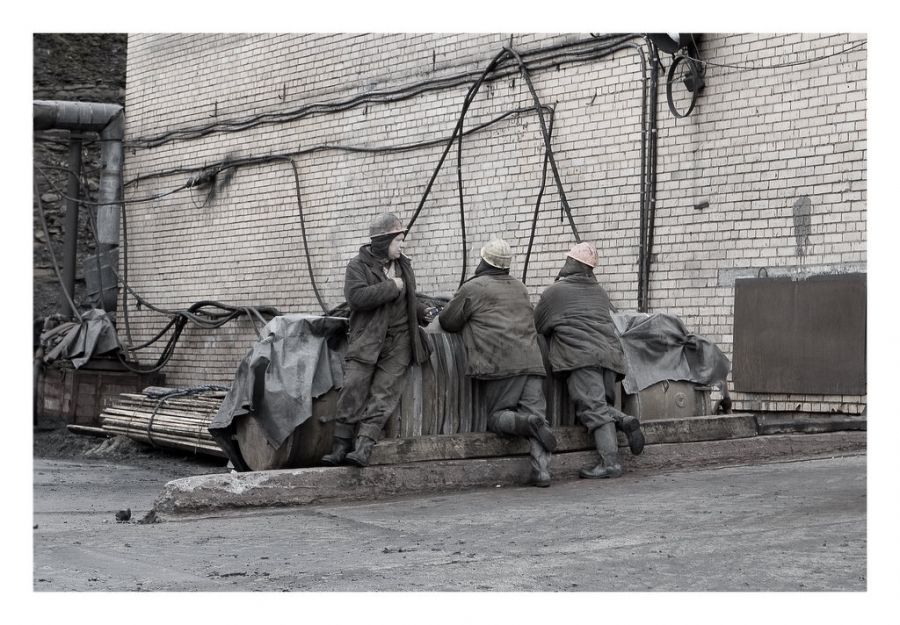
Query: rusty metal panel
800	337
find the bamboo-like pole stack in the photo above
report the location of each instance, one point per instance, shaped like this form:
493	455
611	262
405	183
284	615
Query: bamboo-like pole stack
178	422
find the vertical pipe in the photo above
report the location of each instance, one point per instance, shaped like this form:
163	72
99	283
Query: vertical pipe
652	157
109	209
649	210
645	134
110	194
70	245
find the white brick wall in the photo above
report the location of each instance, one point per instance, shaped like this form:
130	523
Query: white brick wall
766	131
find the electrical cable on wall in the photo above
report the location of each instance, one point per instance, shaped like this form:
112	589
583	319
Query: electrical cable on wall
609	45
537	205
456	132
546	135
761	66
492	68
195	314
293	165
208	174
196	173
544	58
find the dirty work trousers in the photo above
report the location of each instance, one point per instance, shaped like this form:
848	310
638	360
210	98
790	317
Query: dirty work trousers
592	390
522	394
371	391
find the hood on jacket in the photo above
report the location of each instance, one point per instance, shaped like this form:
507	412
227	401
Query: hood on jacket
572	267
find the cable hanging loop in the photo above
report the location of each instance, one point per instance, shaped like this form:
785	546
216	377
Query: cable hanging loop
696	82
549	150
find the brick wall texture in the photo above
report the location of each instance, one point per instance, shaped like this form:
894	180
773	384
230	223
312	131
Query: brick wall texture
776	145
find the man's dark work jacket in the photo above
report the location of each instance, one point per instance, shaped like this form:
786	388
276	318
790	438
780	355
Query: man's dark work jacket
573	313
369	293
495	316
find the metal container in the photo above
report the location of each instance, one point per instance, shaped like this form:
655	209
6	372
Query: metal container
669	399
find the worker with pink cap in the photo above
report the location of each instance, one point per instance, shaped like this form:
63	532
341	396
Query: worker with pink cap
574	314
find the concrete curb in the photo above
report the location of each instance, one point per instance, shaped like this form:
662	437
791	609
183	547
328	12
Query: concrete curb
211	495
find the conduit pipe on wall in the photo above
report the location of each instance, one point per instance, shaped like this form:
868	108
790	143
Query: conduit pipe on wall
109	121
648	182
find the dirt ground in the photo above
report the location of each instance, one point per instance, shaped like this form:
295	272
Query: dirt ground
783	527
58	443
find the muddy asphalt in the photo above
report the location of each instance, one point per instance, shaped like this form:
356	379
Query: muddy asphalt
777	527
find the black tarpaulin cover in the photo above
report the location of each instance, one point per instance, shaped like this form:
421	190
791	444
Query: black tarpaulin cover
79	341
659	347
299	358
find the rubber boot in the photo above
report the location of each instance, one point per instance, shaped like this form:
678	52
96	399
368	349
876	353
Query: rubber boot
540	462
360	456
632	428
338	452
532	426
608	448
542	432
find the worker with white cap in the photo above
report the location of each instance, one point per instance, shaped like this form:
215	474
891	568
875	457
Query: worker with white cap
493	313
385	340
574	314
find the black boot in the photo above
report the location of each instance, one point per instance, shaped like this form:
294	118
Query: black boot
608	448
360	456
632	428
338	452
540	461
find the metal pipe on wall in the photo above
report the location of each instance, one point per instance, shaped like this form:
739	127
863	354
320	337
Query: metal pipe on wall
109	121
110	194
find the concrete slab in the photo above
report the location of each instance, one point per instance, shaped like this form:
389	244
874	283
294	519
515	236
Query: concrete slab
211	495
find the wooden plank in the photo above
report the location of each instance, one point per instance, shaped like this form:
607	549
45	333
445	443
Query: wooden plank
468	445
85	430
139	430
569	439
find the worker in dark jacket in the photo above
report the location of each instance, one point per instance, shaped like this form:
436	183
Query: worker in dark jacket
573	313
495	317
385	340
